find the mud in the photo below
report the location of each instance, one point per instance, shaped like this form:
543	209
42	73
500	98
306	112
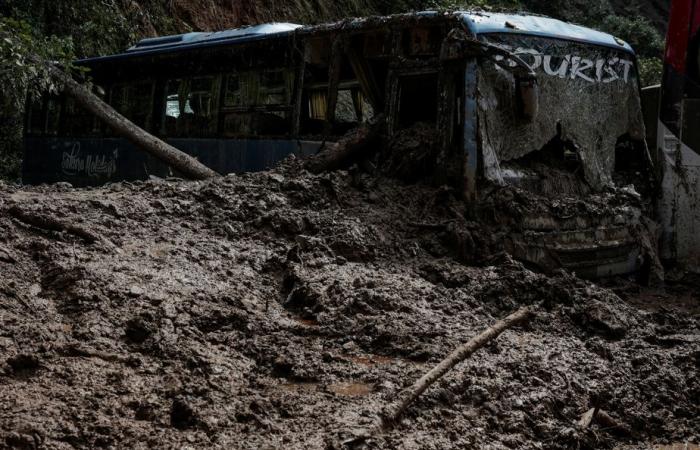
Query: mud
285	310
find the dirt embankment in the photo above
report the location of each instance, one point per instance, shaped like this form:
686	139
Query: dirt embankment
284	310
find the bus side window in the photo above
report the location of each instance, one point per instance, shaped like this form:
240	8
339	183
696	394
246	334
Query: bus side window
135	102
257	103
275	88
36	124
53	115
190	107
78	121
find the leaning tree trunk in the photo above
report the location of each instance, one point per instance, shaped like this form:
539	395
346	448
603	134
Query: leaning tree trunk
122	126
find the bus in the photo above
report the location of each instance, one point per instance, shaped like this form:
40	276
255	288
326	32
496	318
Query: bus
677	140
512	99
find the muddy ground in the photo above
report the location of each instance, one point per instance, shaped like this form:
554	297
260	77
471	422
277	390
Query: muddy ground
285	310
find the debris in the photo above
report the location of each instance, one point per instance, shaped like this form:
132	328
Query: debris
608	422
605	420
52	224
78	350
6	255
348	149
587	418
407	396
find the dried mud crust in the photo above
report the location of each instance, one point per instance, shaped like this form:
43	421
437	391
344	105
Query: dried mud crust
284	310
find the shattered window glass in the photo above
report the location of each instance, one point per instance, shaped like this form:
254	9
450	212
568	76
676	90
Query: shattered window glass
346	111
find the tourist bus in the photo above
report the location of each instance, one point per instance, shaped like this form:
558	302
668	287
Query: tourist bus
505	94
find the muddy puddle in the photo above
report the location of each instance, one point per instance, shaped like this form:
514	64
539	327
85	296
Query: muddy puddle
345	389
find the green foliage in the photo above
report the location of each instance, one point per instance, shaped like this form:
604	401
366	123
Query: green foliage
23	74
499	5
650	71
646	41
23	54
638	32
10	147
95	27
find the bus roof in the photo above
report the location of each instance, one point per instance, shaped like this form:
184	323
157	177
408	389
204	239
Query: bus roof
486	23
479	23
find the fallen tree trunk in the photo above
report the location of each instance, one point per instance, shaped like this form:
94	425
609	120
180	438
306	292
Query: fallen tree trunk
53	224
351	147
179	160
407	396
605	420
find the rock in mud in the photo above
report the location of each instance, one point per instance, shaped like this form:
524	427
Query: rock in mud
601	318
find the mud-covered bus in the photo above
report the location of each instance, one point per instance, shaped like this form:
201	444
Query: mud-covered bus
513	99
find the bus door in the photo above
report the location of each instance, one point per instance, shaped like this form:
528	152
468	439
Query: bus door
428	107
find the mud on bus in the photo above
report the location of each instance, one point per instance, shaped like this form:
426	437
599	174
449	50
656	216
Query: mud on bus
511	100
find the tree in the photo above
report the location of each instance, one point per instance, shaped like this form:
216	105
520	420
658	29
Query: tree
31	66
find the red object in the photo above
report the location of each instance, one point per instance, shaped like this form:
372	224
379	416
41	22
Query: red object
679	32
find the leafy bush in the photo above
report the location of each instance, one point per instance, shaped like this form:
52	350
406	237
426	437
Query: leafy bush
646	41
638	32
650	71
476	4
22	55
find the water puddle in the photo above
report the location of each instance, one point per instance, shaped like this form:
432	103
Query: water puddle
345	389
351	389
306	322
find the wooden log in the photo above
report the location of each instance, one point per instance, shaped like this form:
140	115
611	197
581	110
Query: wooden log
409	395
351	147
587	418
177	159
608	422
53	224
6	255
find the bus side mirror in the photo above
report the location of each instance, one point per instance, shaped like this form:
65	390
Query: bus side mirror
528	97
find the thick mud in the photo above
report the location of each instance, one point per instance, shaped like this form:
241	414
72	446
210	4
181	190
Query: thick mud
285	310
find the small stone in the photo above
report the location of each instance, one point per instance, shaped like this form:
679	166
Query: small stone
350	346
136	291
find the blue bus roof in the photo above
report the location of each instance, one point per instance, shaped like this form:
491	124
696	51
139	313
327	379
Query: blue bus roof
487	23
479	23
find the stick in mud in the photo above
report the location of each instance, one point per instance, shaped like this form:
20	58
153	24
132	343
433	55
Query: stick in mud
407	396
